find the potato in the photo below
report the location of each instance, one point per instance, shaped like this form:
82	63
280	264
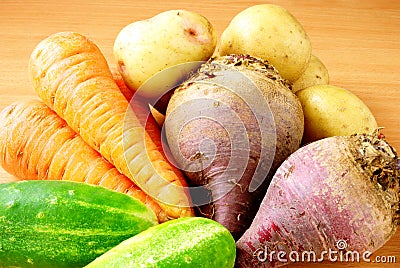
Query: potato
315	74
333	111
171	38
269	32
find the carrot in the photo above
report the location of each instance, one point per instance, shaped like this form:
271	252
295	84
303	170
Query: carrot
119	80
159	117
71	75
128	93
36	144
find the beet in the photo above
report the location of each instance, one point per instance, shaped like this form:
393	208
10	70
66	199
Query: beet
229	127
338	193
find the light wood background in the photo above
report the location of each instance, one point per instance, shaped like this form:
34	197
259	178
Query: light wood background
359	42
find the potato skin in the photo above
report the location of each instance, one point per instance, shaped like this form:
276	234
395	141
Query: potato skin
315	74
269	32
144	48
333	111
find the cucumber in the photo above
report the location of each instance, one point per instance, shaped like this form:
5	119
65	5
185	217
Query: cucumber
64	223
185	242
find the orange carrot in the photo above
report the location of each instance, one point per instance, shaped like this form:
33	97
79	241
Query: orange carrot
159	117
128	93
36	144
71	75
119	80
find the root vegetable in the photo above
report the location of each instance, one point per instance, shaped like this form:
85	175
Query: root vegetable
128	93
333	111
226	127
119	80
36	144
315	74
72	77
272	33
159	117
331	193
147	47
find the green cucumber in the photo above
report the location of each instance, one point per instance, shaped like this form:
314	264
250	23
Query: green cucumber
185	242
64	223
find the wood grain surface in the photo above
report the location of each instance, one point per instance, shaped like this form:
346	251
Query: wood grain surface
358	41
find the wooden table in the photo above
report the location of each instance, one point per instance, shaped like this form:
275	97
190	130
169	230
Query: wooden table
359	42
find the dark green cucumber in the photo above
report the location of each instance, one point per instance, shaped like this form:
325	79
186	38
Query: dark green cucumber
64	223
185	242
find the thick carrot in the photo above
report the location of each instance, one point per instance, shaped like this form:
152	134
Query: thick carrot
119	80
71	75
36	144
128	93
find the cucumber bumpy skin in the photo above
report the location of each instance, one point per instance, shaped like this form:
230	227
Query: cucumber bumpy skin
64	223
185	242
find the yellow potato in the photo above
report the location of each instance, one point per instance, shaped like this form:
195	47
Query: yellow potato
315	74
269	32
177	40
333	111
